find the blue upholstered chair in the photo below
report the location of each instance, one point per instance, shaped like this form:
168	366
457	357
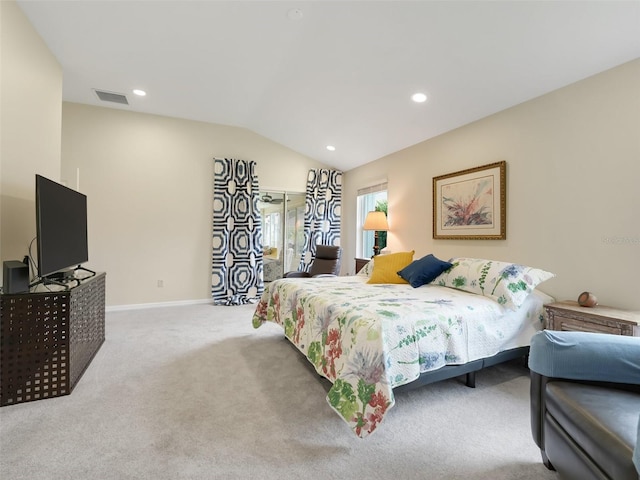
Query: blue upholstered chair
585	404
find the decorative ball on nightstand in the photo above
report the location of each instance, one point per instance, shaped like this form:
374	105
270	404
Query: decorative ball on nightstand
587	299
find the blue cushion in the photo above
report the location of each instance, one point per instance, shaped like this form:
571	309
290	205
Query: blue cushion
586	356
424	270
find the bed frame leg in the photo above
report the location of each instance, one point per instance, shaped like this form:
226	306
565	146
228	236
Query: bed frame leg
471	380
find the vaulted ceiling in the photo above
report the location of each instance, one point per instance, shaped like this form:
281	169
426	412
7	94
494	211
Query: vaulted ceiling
309	74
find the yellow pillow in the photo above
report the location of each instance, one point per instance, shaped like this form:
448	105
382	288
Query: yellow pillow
386	267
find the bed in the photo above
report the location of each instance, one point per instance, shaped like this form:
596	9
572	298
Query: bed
368	339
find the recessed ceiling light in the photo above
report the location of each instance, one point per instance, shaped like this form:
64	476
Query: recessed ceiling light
419	97
331	148
140	93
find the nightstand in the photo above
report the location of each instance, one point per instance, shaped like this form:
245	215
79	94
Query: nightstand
568	315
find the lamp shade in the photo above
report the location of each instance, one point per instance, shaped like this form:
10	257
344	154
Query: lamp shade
376	221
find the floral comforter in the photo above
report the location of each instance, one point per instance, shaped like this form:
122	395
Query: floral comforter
367	339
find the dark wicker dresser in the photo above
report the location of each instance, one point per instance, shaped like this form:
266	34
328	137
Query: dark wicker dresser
48	339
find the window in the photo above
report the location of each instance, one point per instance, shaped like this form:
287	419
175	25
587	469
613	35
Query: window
370	199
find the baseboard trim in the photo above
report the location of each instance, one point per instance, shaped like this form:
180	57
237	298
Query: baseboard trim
141	306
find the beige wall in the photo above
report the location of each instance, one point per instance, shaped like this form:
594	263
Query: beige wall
573	167
149	184
573	164
30	125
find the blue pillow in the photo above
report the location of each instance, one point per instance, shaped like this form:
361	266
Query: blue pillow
423	271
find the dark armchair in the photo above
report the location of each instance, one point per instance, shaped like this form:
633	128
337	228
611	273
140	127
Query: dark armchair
585	404
326	263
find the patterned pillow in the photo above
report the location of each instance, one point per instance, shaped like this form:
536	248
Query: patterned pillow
386	267
509	284
367	269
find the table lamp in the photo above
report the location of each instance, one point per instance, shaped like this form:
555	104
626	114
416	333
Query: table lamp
376	221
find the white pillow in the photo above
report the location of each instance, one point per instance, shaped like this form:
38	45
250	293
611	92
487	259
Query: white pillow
509	284
367	269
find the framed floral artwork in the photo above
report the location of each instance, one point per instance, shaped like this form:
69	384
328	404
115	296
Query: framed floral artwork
471	204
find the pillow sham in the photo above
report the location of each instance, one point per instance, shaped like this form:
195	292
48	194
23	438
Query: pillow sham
385	267
367	269
509	284
424	270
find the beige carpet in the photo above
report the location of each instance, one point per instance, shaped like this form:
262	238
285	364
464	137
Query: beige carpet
194	392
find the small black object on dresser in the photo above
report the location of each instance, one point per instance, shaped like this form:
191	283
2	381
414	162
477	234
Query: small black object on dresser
15	276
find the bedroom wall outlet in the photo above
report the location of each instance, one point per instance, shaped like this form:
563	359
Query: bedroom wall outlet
160	283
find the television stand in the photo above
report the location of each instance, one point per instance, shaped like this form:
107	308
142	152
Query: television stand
48	339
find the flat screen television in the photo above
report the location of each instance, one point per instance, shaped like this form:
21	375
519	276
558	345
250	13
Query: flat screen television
61	228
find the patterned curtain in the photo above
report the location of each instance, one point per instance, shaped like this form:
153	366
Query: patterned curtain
322	213
236	274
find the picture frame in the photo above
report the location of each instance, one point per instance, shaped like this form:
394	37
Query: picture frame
471	204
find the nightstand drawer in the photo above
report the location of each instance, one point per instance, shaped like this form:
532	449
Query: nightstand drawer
570	316
574	325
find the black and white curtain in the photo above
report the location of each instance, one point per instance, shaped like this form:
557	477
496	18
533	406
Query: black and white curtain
322	212
236	274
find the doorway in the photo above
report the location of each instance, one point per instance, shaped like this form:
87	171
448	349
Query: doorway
282	217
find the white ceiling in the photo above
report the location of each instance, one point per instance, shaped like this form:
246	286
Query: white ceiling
340	75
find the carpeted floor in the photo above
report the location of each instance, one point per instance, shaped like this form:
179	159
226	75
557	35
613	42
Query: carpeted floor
194	392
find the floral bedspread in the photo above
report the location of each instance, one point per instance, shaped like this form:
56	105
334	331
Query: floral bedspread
367	339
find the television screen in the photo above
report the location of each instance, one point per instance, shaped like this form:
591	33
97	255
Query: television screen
61	227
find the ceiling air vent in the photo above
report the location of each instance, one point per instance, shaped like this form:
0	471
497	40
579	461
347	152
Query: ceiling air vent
112	97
